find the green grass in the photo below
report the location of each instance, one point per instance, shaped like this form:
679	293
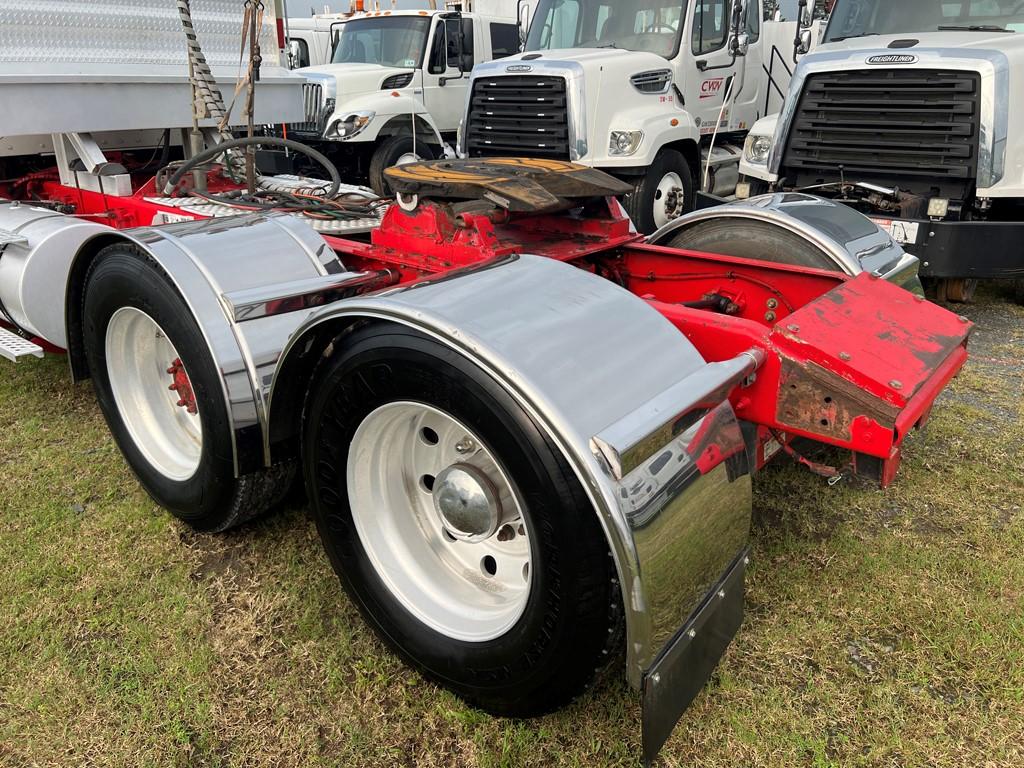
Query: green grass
883	628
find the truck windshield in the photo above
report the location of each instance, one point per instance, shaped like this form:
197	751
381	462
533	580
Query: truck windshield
391	41
636	25
860	18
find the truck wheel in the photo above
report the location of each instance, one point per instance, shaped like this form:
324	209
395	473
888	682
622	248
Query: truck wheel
455	526
160	393
664	193
1018	291
752	240
395	150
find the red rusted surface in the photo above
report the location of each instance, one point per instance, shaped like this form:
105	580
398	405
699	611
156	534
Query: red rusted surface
183	386
811	385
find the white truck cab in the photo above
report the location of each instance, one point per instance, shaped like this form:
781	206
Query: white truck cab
396	84
906	111
645	89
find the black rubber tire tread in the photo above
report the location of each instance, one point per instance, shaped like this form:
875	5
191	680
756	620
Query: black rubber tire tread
213	499
573	622
639	203
752	240
387	154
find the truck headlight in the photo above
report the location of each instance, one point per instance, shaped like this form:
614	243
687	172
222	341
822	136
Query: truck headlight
756	149
624	142
349	126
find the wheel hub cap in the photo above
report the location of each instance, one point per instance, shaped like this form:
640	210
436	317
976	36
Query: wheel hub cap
440	521
669	199
467	502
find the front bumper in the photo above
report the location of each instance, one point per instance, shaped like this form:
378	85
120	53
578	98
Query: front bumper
969	249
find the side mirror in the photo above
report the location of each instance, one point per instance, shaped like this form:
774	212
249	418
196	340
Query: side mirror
805	42
523	21
294	52
802	43
740	44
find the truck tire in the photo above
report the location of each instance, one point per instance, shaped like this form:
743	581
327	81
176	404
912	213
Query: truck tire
395	150
140	341
455	526
664	193
752	240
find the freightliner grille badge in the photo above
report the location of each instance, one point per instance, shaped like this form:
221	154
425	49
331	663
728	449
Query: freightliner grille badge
893	58
518	68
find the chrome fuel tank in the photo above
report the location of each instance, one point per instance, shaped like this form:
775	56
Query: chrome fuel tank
37	247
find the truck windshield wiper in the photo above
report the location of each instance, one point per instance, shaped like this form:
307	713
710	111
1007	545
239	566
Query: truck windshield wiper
850	37
974	28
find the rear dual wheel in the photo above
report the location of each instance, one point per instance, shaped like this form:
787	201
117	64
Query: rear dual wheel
455	525
752	240
159	390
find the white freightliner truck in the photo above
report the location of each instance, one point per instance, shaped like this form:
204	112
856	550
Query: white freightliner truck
641	90
913	113
526	434
395	85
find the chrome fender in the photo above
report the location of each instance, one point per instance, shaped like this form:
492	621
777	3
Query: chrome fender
210	261
638	414
849	239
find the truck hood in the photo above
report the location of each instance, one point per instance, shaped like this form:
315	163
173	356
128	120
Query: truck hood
592	58
345	81
1010	44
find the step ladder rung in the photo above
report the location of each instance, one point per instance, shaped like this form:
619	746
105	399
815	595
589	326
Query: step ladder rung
14	347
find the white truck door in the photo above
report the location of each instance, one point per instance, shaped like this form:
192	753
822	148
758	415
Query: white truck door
711	62
749	99
444	85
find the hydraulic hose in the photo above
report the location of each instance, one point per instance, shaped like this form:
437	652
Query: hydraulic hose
267	141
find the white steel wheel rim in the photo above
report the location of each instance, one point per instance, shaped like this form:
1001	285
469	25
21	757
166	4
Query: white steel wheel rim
407	157
138	356
472	589
669	199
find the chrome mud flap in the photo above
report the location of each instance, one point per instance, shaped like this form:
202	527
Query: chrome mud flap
686	663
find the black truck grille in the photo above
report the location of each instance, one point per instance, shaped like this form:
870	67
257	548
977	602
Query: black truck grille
518	115
891	123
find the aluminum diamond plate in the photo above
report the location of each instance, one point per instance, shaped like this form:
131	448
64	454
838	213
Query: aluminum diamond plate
196	207
124	32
